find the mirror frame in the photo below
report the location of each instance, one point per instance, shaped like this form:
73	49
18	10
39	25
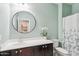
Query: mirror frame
25	12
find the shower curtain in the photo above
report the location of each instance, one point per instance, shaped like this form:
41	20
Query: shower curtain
71	34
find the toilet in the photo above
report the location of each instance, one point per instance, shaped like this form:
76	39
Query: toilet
61	52
58	51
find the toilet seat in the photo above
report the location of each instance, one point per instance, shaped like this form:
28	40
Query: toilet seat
61	51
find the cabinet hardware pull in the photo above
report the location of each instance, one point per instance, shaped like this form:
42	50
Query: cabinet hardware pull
46	46
20	50
42	46
16	51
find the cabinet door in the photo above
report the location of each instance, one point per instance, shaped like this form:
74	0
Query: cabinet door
38	51
15	52
26	51
48	50
5	53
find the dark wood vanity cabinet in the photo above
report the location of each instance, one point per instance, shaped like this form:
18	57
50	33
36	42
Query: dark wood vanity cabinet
41	50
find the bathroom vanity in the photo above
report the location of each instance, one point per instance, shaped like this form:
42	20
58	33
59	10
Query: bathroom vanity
29	48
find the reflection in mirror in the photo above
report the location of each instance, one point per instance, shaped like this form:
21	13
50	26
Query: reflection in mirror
23	22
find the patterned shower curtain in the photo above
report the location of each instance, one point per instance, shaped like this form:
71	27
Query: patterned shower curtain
71	34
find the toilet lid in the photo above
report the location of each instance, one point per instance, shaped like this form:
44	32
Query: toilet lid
62	50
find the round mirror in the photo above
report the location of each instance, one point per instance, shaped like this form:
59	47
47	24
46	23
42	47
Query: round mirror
23	22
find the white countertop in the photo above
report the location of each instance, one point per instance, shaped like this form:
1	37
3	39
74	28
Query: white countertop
28	43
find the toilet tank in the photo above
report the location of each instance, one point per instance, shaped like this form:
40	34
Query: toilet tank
55	42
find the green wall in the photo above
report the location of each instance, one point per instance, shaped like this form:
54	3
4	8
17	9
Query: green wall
66	9
4	22
75	8
46	14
